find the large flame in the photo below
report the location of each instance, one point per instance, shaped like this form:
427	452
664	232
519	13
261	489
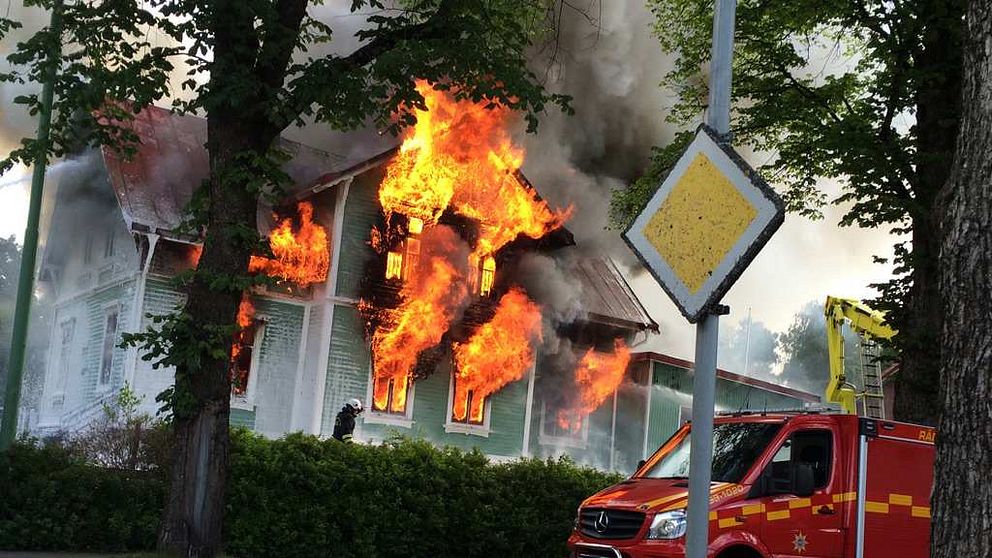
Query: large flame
498	353
430	300
596	378
458	157
301	255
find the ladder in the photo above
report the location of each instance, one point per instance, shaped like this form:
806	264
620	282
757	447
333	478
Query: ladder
871	399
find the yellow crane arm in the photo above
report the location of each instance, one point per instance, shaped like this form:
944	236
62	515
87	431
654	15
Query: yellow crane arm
864	321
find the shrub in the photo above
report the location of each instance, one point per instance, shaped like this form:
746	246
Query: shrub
301	496
51	500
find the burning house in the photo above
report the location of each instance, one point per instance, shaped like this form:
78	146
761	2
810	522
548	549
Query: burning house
404	279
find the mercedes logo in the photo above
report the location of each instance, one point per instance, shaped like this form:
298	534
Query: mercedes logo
602	523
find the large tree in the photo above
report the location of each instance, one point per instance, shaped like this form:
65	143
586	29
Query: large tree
962	500
254	68
864	93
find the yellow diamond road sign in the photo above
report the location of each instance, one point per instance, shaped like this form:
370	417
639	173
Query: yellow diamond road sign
705	224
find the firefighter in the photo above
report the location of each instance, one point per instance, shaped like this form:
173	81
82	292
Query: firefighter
344	424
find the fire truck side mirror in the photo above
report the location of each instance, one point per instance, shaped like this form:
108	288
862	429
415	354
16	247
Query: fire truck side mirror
803	483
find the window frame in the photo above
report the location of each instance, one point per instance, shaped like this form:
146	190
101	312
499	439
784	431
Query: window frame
794	456
246	402
108	310
581	441
454	426
372	416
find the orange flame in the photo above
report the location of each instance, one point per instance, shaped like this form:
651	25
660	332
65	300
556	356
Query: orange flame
497	354
596	378
301	256
430	300
460	155
239	372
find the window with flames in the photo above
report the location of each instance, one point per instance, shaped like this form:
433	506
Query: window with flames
242	356
390	395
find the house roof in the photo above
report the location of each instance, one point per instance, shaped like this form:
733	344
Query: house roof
607	296
730	376
154	187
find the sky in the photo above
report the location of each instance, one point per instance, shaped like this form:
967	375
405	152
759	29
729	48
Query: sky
613	71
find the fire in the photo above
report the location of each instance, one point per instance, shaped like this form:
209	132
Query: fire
498	353
596	378
430	301
459	157
239	370
301	255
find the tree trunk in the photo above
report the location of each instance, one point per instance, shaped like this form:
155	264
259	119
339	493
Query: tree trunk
194	512
938	92
962	501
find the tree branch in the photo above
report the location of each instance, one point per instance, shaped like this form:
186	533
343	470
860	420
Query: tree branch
279	42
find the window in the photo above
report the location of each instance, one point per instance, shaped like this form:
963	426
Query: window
402	263
736	446
468	412
812	447
487	276
243	364
108	247
562	426
109	341
391	394
88	249
67	331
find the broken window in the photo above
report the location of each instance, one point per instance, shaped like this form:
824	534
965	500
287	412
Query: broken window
467	407
487	276
560	422
242	356
109	341
391	394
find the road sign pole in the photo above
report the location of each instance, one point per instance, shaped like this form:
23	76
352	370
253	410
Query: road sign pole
707	329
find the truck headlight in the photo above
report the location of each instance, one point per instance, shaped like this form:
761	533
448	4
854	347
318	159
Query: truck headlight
668	525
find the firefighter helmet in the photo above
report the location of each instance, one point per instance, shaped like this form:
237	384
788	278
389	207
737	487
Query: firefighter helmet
355	405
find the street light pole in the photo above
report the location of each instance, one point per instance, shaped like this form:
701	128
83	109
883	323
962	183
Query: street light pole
29	254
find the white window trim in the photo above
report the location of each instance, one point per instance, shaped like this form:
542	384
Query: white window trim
247	401
108	309
582	442
391	419
452	427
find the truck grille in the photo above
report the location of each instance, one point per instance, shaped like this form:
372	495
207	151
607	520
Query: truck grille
610	524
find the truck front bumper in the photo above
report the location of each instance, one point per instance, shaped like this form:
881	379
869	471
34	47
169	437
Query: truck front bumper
581	547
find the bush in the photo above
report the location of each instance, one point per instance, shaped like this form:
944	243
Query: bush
301	496
51	500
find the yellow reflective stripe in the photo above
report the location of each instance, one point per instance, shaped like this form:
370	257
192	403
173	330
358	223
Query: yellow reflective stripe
900	500
729	522
876	507
845	497
713	516
800	503
665	499
753	509
776	515
920	511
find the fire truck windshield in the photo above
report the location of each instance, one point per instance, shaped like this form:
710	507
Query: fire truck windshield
736	445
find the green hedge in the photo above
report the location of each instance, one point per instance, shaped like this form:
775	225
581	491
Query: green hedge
52	500
300	496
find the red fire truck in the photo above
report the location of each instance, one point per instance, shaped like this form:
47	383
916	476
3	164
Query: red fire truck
784	485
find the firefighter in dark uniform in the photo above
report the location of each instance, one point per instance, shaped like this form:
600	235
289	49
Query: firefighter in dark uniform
344	424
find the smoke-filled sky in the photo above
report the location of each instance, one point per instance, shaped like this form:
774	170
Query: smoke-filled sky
612	70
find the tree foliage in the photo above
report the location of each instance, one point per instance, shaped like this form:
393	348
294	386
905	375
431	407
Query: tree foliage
864	94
